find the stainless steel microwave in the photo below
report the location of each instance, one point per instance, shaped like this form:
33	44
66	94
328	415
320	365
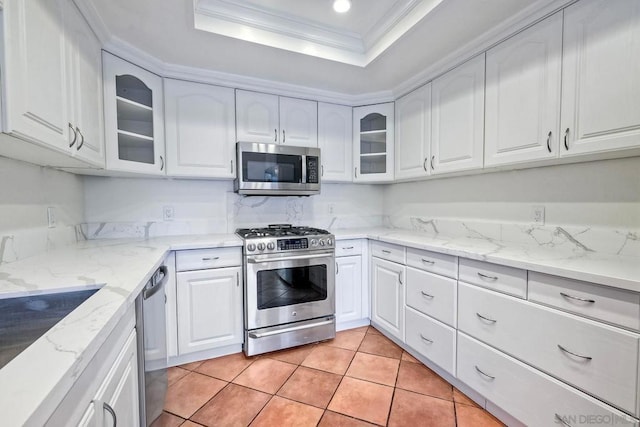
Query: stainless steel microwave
277	170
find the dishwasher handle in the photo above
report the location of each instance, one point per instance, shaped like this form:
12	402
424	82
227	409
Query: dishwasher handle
155	285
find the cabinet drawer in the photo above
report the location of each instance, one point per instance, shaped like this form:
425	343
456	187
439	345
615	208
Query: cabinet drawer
434	340
597	358
388	251
445	265
526	393
598	302
202	259
348	247
512	281
432	294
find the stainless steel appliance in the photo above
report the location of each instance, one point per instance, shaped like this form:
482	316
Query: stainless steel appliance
289	287
152	347
277	170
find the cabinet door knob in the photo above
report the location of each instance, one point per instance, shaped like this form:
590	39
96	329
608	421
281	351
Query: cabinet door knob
424	164
356	172
161	163
275	135
284	136
549	142
486	319
574	354
432	159
75	135
485	374
337	269
566	139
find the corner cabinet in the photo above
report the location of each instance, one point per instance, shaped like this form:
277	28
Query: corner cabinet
457	139
335	142
413	134
133	118
266	118
373	143
523	95
53	80
600	85
200	130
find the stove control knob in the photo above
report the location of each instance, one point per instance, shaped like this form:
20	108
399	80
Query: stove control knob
329	242
251	247
261	246
271	246
314	242
321	242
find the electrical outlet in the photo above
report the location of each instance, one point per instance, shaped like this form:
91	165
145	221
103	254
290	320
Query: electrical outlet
537	214
51	217
168	213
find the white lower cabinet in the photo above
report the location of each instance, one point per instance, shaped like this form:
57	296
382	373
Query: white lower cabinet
117	400
387	296
532	397
209	308
348	288
596	358
434	340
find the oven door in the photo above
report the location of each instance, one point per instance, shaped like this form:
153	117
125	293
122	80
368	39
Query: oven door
285	288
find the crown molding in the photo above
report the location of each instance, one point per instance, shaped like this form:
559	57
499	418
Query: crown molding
88	10
529	16
152	64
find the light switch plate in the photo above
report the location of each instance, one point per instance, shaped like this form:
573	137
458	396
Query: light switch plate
168	213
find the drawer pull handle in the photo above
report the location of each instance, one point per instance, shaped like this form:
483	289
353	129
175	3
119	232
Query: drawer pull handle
484	276
347	248
590	301
427	261
485	374
211	258
426	339
574	354
426	295
384	251
486	319
564	423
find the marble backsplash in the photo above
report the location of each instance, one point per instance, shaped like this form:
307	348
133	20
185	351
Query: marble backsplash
563	238
23	243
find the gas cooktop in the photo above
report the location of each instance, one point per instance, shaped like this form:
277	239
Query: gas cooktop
279	230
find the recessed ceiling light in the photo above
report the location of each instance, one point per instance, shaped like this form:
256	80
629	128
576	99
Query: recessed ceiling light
341	6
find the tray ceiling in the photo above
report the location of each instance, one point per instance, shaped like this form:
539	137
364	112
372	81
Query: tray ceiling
312	27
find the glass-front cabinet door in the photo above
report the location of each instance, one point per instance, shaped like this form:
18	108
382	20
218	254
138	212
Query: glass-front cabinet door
133	118
373	134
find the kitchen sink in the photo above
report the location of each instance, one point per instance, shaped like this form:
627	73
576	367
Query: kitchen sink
25	319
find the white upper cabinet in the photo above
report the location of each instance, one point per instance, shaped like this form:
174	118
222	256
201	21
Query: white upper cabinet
373	139
457	107
298	122
38	95
523	95
88	111
200	129
257	117
413	134
600	77
134	120
53	79
335	142
272	119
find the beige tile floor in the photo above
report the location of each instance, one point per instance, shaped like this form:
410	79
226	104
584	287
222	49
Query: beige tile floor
360	378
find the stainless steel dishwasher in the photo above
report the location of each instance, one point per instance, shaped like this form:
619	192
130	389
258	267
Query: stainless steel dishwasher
152	346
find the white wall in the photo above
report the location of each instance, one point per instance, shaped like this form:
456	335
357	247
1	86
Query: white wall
126	207
595	194
25	193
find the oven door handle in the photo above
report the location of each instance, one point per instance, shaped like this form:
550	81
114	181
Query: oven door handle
291	329
288	258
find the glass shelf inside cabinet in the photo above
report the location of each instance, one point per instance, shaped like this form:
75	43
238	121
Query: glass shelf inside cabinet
134	104
373	144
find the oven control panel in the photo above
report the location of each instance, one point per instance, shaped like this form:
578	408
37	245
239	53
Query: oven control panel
293	244
272	245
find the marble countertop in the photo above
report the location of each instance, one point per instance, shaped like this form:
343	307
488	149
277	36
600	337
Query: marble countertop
36	381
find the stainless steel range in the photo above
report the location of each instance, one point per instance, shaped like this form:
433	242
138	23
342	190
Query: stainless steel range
289	287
